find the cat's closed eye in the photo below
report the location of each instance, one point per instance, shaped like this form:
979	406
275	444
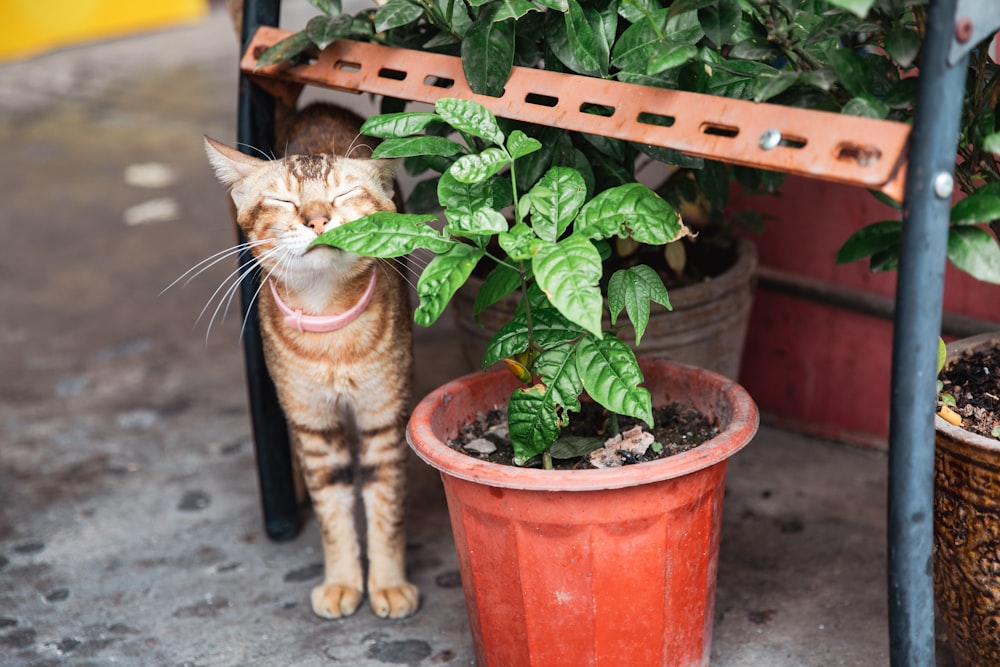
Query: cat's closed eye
281	202
341	199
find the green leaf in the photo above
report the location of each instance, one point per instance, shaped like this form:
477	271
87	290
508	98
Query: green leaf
555	201
514	9
386	234
981	206
397	13
325	30
858	7
470	117
519	144
669	57
976	252
942	354
488	53
285	49
586	46
328	7
568	273
903	45
413	146
611	376
557	368
713	180
866	106
867	241
632	290
990	143
502	281
398	124
720	20
771	84
520	242
548	326
478	167
441	278
851	70
630	210
574	446
533	423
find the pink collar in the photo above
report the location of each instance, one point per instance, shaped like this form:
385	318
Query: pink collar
323	323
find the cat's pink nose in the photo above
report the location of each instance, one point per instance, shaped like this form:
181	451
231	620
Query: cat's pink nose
317	224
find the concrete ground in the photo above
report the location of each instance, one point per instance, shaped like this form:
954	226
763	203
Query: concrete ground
130	530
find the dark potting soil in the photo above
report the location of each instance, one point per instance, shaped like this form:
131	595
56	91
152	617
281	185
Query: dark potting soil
678	429
974	381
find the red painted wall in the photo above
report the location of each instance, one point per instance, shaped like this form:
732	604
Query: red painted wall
821	369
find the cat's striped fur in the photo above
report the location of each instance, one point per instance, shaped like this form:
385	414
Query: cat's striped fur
345	386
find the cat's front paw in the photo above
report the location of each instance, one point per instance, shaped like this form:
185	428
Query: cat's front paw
395	601
333	601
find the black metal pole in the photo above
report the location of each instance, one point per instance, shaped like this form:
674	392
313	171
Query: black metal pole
270	430
919	297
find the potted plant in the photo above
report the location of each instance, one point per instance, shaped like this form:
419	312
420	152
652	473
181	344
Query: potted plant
966	502
618	563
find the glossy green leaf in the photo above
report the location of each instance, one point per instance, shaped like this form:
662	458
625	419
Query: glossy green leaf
548	325
557	368
632	290
519	144
325	30
771	84
441	278
669	57
869	240
903	45
981	206
328	7
519	242
555	201
866	106
460	198
396	13
470	117
501	282
394	125
858	7
488	53
386	234
720	20
590	50
568	272
630	210
285	49
611	376
478	167
851	71
412	146
514	9
533	423
990	143
975	251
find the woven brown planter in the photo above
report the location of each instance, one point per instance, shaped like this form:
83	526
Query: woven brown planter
967	533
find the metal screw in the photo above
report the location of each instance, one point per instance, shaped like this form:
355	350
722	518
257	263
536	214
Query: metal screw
770	139
963	29
943	185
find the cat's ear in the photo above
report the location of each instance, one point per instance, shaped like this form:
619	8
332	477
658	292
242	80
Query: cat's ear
385	174
229	164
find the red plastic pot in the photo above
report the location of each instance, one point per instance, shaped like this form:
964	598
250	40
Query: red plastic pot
588	567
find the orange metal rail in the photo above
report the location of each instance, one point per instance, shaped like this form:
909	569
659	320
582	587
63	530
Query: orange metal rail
833	147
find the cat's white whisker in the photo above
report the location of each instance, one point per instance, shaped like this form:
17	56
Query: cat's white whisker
211	261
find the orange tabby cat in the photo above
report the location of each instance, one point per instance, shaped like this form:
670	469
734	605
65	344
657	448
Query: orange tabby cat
337	339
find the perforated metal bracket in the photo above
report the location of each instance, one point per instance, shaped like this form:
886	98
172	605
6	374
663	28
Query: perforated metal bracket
833	147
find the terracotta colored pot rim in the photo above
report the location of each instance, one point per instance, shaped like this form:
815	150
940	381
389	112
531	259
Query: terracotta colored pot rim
734	436
955	350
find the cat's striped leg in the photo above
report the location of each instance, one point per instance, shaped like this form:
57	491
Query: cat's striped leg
383	467
329	474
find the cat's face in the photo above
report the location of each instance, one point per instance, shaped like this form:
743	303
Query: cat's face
283	205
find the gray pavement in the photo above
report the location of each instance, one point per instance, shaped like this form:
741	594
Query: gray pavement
130	530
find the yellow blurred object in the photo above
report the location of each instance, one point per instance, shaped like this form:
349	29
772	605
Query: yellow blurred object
33	26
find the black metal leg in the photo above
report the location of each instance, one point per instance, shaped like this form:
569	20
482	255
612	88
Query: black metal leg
270	430
919	299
